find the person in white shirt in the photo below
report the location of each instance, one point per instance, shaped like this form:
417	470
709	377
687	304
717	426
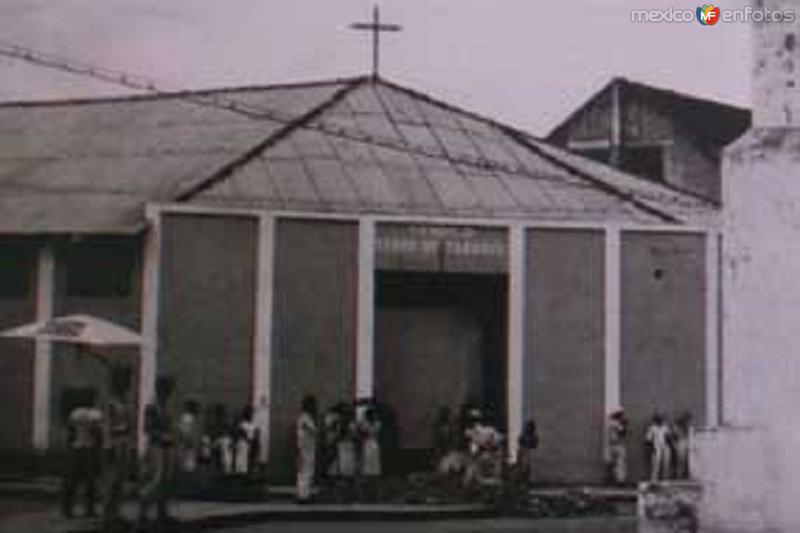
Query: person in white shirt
658	439
306	428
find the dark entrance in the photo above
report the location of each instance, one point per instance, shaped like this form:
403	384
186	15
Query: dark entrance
440	341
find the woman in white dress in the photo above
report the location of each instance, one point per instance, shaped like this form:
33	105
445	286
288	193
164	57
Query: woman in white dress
370	447
306	428
245	439
346	447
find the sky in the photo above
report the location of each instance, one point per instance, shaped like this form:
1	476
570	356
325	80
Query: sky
524	62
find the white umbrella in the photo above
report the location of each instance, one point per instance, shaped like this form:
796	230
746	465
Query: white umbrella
77	329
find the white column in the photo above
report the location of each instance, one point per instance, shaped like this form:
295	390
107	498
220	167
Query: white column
45	291
262	358
365	354
613	347
712	297
516	335
151	274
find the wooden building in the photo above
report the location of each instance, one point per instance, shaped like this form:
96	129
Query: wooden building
656	134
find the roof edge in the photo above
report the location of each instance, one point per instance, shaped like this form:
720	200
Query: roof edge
180	93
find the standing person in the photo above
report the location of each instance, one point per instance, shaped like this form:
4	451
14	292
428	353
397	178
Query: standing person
189	437
244	441
443	435
160	457
120	447
306	440
617	433
527	442
346	446
330	438
682	435
658	438
84	442
370	445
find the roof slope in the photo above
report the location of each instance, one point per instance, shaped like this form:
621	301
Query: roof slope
354	146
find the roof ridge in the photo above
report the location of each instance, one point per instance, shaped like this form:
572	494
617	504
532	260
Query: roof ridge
179	93
228	168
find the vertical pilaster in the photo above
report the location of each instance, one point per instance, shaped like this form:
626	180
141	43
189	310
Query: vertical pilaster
365	356
148	364
516	333
712	322
613	298
262	358
613	326
45	293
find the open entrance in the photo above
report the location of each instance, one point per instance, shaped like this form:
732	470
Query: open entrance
440	342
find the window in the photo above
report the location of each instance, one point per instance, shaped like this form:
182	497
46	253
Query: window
17	265
100	269
644	161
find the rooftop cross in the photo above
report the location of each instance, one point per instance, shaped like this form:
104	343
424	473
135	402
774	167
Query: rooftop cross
376	28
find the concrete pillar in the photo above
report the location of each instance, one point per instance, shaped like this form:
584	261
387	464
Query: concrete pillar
613	331
45	294
516	334
365	356
148	364
713	393
262	357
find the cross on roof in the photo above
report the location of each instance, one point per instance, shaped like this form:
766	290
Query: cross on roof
376	28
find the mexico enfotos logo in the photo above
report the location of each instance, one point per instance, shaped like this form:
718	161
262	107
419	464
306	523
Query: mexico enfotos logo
710	15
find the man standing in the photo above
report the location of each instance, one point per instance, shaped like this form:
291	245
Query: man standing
617	449
84	441
119	451
159	467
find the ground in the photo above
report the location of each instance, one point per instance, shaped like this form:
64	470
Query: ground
585	525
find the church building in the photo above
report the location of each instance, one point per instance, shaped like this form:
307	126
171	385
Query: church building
352	238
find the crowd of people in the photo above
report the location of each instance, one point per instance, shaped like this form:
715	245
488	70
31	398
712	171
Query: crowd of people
347	446
101	449
665	444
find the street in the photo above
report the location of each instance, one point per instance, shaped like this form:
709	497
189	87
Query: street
585	525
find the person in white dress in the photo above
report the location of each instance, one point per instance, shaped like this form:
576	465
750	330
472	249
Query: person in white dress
370	444
246	434
306	428
189	437
658	439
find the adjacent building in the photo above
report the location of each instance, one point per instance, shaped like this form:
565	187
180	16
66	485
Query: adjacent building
657	134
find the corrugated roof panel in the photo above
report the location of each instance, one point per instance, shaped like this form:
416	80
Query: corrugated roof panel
492	192
293	184
374	186
419	136
407	179
400	105
332	183
254	181
454	190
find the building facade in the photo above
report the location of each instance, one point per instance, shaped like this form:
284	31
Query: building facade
356	239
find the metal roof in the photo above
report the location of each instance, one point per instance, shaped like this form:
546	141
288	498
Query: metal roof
352	146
